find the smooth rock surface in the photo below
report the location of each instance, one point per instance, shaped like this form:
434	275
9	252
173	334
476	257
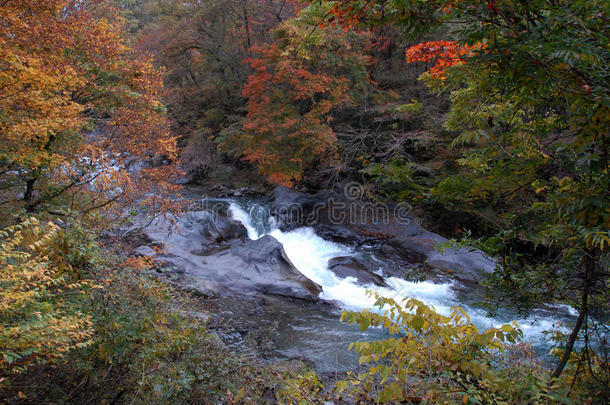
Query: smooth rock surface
242	265
194	231
346	266
145	251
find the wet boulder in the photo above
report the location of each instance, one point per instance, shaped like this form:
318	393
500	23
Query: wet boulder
221	229
264	265
144	251
467	264
340	233
238	265
292	208
345	266
195	231
246	266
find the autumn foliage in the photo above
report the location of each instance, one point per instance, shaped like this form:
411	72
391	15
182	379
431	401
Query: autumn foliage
289	119
77	104
297	83
39	298
444	54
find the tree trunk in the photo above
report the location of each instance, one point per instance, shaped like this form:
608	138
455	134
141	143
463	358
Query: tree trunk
589	267
247	28
29	191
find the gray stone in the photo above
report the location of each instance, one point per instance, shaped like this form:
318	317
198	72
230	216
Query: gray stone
195	231
145	251
243	265
345	266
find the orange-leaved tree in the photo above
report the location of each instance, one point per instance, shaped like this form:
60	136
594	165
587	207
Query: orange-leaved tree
298	82
76	106
444	54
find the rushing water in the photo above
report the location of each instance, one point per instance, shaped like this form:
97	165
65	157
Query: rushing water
310	255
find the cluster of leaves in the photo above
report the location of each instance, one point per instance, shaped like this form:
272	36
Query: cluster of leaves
301	388
65	69
40	298
298	81
444	53
438	359
446	359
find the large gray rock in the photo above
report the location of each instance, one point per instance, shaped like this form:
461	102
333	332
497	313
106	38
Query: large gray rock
291	208
222	229
345	266
241	265
265	266
467	264
145	251
195	231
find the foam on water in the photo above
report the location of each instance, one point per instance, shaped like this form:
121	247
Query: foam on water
240	215
310	255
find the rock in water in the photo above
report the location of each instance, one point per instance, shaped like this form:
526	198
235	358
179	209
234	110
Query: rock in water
267	267
246	266
353	221
222	229
195	231
291	208
345	266
242	265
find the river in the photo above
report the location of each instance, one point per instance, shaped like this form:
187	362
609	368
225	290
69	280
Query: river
316	335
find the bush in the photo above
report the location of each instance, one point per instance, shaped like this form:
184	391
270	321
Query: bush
434	359
40	299
107	333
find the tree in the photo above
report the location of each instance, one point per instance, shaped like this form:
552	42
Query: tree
202	46
529	94
298	82
77	104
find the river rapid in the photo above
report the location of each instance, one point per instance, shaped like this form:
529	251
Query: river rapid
274	294
314	333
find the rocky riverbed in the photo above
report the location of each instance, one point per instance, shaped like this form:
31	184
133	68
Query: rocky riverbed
279	269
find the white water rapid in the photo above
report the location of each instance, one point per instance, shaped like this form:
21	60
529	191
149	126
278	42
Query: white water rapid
310	255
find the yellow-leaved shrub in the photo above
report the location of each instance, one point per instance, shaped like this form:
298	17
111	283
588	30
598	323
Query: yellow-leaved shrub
430	358
433	358
39	295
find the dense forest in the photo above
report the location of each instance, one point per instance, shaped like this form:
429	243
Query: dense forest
122	121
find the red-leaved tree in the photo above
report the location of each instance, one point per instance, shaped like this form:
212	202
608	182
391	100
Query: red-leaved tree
298	82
